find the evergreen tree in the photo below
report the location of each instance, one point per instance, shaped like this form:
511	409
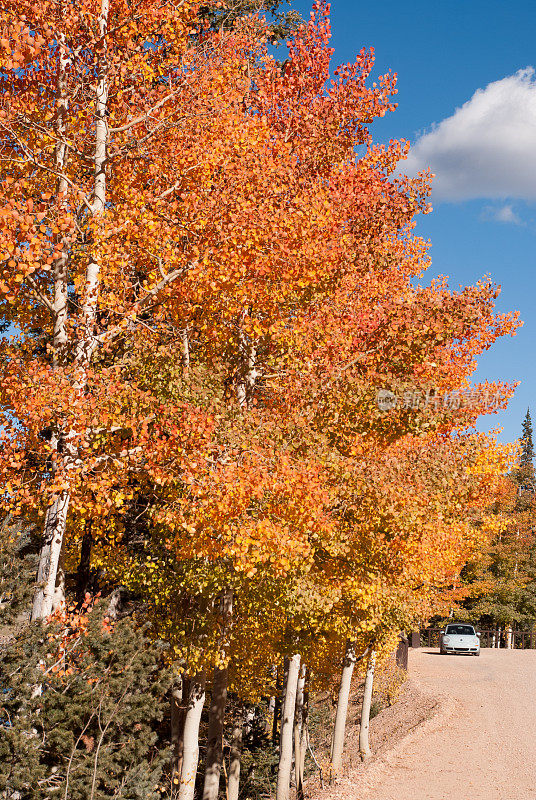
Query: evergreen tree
500	585
282	23
81	701
527	447
19	547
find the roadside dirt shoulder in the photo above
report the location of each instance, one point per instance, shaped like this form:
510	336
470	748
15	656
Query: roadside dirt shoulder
389	730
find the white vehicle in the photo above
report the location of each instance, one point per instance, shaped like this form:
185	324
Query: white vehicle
459	638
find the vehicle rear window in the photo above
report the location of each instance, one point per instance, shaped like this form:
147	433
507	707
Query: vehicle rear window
460	630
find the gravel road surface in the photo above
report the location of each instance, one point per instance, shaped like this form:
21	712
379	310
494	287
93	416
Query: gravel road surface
481	745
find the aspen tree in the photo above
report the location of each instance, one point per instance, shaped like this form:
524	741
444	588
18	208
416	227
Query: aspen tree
56	517
179	703
213	761
364	746
61	245
190	757
287	728
300	730
235	755
197	234
337	742
56	514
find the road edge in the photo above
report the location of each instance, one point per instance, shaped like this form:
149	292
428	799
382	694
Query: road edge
361	780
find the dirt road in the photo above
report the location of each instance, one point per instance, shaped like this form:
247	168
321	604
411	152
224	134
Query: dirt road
482	746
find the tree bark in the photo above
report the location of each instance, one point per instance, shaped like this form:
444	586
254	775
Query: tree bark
196	701
215	734
337	742
247	374
86	344
179	692
218	702
185	352
286	665
304	734
49	557
300	721
115	602
58	596
235	757
61	277
287	726
364	747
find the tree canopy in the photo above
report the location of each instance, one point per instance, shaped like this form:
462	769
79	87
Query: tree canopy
215	279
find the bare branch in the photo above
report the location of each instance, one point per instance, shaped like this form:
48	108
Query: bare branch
143	117
114	459
170	190
157	288
57	173
112	333
176	185
158	260
41	298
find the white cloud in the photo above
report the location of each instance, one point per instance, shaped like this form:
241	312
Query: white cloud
487	148
504	213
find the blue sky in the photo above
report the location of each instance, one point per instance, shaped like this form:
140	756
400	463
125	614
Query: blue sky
482	148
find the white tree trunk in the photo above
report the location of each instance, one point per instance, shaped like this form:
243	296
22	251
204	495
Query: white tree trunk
49	557
509	638
299	724
185	351
247	374
115	603
87	342
190	759
287	729
58	598
101	122
337	742
215	734
364	746
43	568
283	695
61	278
216	718
304	739
235	757
55	521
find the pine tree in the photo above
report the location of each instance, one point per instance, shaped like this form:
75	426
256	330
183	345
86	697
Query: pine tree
281	23
524	476
80	710
527	447
500	584
18	564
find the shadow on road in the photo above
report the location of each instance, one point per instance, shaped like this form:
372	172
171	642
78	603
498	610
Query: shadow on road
437	653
